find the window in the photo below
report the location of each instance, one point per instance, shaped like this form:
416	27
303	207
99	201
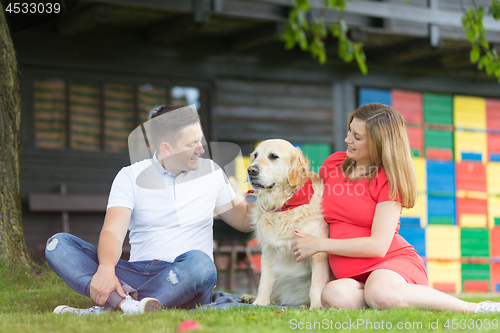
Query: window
96	116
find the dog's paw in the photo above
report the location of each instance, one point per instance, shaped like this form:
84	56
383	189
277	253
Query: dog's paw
260	301
247	299
316	306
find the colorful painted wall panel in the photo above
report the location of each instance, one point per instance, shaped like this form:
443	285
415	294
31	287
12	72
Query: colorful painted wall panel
439	144
458	175
441	210
469	112
438	109
416	139
409	105
470	146
493	143
421	171
472	213
493	178
445	276
371	95
475	277
441	178
442	242
493	114
418	212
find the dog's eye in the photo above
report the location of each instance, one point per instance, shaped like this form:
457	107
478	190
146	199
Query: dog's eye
273	157
254	155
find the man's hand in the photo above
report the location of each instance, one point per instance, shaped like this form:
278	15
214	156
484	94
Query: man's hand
103	283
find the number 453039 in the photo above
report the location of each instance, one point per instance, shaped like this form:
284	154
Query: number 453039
33	8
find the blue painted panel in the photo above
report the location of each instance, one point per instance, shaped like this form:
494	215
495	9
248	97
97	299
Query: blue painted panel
471	157
416	237
409	222
441	206
370	95
497	286
441	177
494	157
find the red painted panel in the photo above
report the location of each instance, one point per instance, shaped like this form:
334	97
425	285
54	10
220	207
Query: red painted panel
493	114
471	206
476	286
471	176
409	104
493	143
444	287
495	275
439	154
495	242
416	138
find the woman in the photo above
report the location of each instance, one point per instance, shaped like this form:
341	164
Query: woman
365	190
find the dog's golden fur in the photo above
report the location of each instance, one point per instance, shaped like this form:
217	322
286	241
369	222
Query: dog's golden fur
282	170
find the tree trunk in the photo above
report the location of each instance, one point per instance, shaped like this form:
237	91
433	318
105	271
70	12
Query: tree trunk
12	244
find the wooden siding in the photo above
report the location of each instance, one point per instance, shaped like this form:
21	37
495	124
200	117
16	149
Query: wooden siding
248	110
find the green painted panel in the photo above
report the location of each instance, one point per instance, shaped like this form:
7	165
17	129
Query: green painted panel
438	109
475	272
474	242
441	220
316	153
438	139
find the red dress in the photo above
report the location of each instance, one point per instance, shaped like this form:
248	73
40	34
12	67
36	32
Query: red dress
349	208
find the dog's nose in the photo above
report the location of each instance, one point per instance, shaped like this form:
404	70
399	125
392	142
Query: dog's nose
253	171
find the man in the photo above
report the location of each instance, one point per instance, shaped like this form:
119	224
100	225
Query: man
167	203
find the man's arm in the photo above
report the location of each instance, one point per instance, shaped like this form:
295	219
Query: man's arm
109	251
236	215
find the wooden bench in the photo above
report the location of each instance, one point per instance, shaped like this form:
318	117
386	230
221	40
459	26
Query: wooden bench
65	203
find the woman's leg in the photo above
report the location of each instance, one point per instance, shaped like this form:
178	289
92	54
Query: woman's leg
187	282
385	289
344	294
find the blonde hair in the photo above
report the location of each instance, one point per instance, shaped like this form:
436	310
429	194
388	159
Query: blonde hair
389	147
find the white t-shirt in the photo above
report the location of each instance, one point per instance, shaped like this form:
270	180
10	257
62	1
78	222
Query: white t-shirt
170	215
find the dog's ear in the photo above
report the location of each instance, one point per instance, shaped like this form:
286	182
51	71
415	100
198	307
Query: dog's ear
299	167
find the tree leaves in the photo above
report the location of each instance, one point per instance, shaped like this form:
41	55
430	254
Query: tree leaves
311	36
481	54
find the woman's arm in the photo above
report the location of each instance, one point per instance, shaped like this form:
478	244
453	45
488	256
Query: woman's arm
384	226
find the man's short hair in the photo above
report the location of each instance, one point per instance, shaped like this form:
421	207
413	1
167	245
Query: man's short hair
167	123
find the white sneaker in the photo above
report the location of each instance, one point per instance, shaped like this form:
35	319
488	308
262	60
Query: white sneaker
488	306
133	307
95	310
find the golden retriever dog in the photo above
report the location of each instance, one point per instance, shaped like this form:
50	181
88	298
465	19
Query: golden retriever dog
279	174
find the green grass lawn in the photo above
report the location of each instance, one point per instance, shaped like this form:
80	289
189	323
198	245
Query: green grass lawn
27	299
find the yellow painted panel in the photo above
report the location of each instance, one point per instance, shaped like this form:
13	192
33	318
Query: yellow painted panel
421	170
469	112
445	272
442	242
241	165
493	177
470	142
419	210
472	194
472	221
493	210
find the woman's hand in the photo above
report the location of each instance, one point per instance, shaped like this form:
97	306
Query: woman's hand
305	246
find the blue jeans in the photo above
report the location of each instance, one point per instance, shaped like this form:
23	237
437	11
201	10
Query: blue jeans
185	283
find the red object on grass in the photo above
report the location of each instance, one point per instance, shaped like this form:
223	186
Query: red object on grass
188	325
